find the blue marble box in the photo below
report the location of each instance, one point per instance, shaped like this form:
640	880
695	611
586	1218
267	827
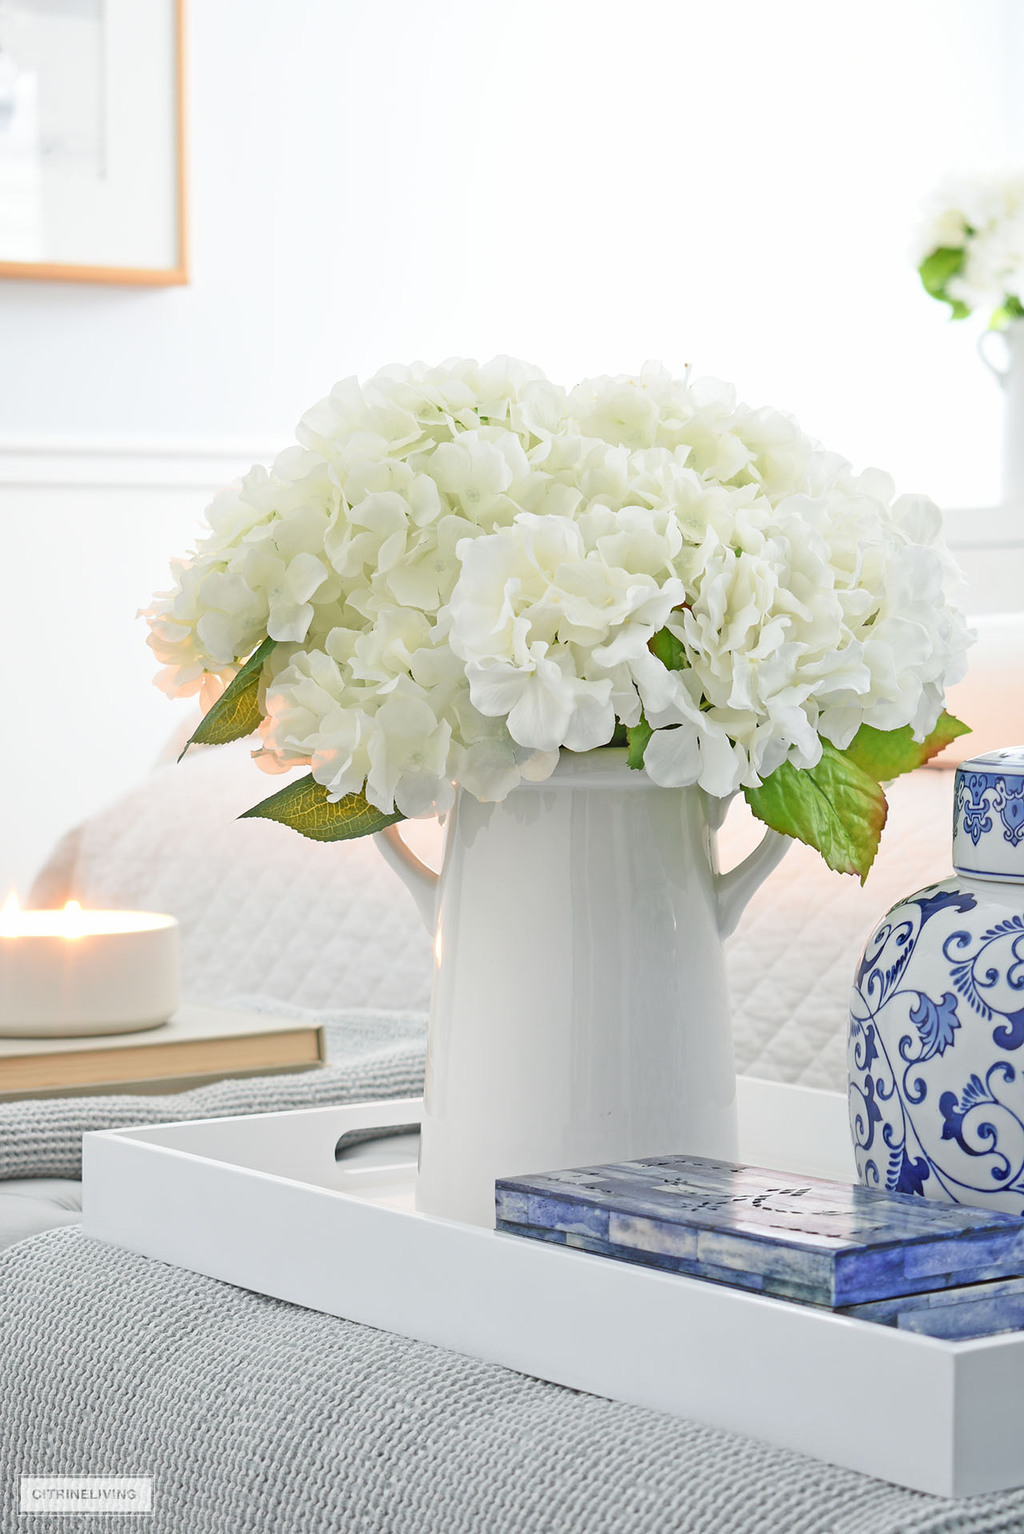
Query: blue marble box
800	1238
973	1310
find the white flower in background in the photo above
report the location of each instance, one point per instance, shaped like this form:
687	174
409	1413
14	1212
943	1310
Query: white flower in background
466	569
969	249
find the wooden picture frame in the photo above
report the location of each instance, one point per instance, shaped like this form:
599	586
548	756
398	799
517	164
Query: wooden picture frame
140	130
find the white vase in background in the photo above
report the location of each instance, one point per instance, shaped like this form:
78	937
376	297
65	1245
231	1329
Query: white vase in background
1009	370
579	1009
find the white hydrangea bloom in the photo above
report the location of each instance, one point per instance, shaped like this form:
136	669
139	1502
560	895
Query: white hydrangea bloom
548	628
464	568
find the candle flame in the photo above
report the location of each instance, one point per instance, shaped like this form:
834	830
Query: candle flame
72	922
72	919
10	916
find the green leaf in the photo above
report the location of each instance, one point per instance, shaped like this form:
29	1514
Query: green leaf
936	270
638	736
236	712
1011	310
669	650
886	754
835	807
304	806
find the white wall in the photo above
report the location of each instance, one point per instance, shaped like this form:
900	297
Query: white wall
81	719
579	182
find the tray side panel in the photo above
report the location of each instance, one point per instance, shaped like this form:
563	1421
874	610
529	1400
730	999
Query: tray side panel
794	1129
988	1447
792	1375
295	1143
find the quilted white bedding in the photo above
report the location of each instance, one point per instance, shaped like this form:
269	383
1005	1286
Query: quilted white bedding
792	959
265	912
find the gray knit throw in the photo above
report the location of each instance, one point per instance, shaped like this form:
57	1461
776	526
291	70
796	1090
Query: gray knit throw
254	1415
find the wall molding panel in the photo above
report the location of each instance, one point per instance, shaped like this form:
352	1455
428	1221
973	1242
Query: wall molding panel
145	463
205	463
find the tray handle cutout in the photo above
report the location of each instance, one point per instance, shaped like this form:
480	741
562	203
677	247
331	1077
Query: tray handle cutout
353	1137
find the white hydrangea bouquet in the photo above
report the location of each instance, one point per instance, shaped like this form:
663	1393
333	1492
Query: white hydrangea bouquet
463	570
969	248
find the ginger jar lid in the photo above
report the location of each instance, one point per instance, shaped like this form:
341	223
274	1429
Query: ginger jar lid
988	816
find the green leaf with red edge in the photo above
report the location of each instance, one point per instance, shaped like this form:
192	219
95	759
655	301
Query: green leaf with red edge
886	754
835	807
236	712
305	807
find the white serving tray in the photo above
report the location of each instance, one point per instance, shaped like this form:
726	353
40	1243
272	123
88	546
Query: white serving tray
260	1202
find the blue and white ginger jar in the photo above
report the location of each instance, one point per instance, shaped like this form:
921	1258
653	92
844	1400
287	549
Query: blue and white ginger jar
936	1043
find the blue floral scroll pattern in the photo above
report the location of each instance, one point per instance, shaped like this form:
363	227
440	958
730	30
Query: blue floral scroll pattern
979	795
972	805
1011	812
936	1105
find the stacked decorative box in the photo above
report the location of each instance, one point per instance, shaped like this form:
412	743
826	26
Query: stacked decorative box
887	1257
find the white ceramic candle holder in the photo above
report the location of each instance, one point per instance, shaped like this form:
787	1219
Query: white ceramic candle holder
70	973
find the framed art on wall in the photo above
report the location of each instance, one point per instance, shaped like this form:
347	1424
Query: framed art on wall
92	153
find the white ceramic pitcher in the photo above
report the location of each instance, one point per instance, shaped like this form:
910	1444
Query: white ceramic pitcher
1011	376
579	1007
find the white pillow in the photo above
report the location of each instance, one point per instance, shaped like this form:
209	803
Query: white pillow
263	911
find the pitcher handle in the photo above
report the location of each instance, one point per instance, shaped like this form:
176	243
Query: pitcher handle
735	888
1001	373
420	880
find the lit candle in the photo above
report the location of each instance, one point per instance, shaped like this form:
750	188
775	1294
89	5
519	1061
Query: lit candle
74	972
